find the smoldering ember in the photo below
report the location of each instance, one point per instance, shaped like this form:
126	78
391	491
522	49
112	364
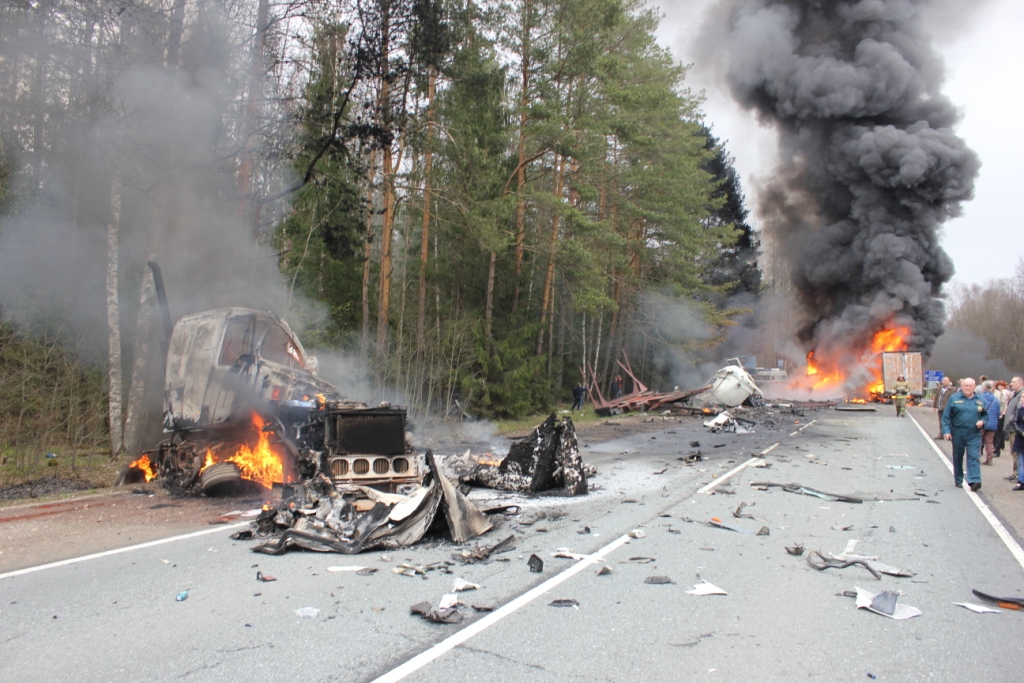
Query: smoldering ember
385	340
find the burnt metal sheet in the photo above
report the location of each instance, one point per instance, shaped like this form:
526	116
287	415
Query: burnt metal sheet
546	460
465	521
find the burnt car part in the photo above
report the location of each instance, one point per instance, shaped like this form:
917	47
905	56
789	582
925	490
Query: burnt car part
548	459
323	520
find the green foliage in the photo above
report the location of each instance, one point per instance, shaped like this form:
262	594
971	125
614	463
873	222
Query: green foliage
511	377
49	402
625	193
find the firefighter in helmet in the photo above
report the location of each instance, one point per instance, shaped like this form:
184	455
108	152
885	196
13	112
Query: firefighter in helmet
900	392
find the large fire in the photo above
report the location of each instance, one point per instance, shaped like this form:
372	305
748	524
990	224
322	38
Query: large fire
259	464
827	373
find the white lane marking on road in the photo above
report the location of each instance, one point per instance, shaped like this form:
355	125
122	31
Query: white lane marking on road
733	471
456	639
997	526
794	433
118	551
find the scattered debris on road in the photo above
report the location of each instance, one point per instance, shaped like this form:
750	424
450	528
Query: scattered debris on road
307	612
536	564
705	588
564	602
979	609
181	597
808	491
658	580
726	422
548	459
446	613
1014	602
885	605
265	578
797	549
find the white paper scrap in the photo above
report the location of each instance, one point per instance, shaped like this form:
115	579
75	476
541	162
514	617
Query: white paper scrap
463	585
980	609
864	599
449	601
705	588
346	568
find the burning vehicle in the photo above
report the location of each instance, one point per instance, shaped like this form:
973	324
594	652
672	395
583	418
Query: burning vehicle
243	406
244	411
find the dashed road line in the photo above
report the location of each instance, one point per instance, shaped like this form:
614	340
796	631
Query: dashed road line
740	468
986	512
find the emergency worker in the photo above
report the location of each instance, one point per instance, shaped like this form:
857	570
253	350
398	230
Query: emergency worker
962	421
900	392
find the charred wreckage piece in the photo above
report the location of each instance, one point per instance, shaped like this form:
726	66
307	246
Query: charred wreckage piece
322	519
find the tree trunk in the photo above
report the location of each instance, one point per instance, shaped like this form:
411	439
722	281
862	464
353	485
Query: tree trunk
489	311
134	422
114	326
388	178
175	30
421	311
252	111
367	253
387	230
549	279
524	99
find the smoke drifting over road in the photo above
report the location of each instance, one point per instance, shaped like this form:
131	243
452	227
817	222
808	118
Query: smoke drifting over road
869	168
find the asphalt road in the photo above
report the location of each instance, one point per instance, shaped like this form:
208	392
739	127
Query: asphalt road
115	618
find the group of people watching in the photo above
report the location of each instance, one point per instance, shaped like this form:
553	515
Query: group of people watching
979	417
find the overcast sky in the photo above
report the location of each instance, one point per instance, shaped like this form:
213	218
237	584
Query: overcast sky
984	52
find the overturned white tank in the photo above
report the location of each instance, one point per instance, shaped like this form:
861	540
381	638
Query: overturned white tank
730	387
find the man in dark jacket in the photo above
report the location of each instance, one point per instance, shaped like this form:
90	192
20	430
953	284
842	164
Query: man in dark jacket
579	393
945	391
962	421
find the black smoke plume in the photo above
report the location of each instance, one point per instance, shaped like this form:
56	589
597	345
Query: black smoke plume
870	166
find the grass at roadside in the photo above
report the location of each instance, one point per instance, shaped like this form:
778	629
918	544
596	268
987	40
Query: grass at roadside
525	425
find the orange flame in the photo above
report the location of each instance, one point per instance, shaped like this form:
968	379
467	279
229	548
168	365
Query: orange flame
826	373
890	340
259	464
145	467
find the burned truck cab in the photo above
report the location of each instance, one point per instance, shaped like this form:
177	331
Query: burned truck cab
225	363
242	403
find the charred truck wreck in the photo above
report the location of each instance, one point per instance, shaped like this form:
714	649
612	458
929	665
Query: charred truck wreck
241	404
244	410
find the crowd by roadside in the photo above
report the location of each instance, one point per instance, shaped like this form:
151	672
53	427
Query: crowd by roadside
979	418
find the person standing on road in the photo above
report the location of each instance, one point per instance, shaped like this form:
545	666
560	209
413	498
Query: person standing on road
1003	394
962	421
988	432
941	398
1012	428
1018	438
900	391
